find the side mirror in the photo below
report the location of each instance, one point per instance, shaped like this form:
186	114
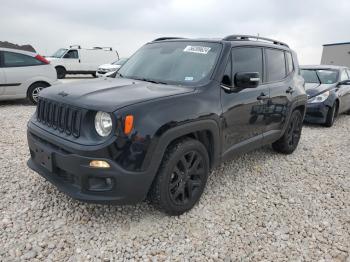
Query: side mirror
247	79
110	74
345	82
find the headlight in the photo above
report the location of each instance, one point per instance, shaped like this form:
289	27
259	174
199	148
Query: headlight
103	123
320	98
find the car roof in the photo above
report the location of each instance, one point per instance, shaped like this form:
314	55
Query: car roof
17	51
334	67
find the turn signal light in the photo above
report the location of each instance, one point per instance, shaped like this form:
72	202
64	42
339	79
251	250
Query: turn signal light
128	124
99	164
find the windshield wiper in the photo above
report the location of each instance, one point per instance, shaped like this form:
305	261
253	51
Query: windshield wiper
149	80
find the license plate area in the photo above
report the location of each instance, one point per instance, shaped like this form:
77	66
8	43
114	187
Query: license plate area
43	156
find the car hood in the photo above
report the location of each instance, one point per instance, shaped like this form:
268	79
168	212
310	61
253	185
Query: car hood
109	94
108	66
313	89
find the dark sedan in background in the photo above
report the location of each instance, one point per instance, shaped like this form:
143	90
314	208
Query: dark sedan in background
328	90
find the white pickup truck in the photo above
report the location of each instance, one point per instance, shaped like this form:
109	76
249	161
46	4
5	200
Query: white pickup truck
77	60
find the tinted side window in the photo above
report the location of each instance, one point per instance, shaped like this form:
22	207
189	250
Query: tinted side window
276	65
71	54
18	60
247	59
290	65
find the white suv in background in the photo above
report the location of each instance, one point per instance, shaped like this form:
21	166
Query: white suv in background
23	74
110	68
77	60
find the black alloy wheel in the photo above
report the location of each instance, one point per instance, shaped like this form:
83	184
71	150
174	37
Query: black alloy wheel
186	178
181	178
291	137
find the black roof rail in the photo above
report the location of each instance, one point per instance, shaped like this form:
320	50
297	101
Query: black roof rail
250	37
75	46
166	38
103	47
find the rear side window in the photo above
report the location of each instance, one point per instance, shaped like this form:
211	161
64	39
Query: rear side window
11	59
276	65
247	59
290	65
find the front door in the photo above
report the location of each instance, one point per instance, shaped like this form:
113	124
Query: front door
243	109
344	93
2	75
71	60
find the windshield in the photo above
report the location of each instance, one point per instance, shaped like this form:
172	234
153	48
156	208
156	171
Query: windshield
59	53
121	61
181	63
320	76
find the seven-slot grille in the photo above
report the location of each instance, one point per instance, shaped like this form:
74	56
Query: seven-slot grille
59	116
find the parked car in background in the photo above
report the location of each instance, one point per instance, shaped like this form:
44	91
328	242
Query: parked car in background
174	111
107	68
77	60
24	74
328	90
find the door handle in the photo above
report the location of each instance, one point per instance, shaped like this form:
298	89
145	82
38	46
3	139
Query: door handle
290	90
262	97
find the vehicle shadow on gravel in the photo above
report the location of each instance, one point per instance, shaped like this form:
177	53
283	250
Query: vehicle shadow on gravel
22	102
144	211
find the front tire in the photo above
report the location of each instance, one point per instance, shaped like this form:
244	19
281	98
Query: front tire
61	72
331	116
34	90
290	139
181	178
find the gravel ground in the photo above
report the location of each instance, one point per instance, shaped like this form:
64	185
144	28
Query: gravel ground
260	206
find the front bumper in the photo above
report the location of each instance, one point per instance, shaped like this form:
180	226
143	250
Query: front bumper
70	173
316	113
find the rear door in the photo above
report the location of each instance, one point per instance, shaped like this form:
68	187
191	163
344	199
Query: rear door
279	76
243	108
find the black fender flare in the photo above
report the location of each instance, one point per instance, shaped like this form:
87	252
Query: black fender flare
157	151
295	104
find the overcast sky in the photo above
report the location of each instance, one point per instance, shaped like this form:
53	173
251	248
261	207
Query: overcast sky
126	25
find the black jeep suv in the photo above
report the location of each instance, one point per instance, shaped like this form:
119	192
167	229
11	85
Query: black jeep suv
174	110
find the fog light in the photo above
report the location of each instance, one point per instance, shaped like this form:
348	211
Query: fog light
99	164
100	184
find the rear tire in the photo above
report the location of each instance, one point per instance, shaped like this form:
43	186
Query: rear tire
34	90
331	116
181	178
290	139
61	72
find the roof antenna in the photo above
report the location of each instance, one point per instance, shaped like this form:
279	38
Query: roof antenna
257	38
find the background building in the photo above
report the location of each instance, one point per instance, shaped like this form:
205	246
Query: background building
336	54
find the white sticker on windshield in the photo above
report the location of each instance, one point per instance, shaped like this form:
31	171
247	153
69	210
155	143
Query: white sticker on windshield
197	49
189	78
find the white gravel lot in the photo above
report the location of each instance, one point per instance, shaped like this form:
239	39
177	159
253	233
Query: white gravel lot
260	206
